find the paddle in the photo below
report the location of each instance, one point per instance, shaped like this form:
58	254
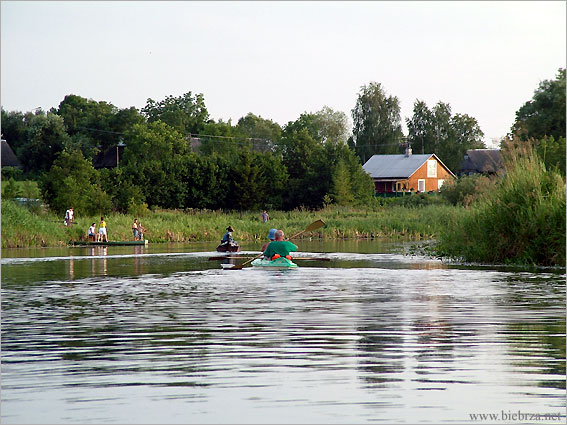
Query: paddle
313	226
243	257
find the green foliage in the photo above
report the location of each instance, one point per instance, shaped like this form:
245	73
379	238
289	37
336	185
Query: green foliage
552	153
522	220
11	173
11	190
94	125
332	126
256	127
438	131
461	191
73	182
341	188
14	130
417	200
125	195
186	113
544	115
152	151
46	137
376	122
304	160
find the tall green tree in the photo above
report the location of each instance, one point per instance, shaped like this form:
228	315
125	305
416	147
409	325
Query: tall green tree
332	126
73	182
308	177
151	150
14	129
186	113
421	128
544	114
440	132
95	125
541	122
256	127
46	137
376	122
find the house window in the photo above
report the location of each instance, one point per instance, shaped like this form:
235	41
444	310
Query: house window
421	185
431	168
440	183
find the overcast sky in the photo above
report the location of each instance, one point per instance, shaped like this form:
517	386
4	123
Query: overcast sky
280	59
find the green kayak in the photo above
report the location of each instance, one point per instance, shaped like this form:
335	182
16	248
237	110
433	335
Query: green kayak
279	263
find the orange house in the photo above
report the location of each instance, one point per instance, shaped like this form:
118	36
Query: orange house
407	173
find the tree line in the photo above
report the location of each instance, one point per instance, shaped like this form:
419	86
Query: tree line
176	156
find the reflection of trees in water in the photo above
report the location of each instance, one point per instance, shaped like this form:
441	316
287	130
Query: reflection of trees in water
381	346
537	337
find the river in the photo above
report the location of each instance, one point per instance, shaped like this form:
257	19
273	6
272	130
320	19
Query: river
161	334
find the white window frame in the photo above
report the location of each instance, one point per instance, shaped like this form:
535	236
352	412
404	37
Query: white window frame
421	182
431	168
440	183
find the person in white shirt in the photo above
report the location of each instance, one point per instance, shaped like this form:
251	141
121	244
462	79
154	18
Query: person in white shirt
69	216
92	233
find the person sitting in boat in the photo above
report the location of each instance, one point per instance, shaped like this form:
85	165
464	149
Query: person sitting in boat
227	238
271	238
279	247
92	236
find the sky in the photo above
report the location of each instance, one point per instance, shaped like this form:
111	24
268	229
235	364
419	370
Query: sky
281	59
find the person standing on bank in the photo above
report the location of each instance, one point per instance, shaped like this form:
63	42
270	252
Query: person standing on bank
265	217
69	216
279	247
103	235
135	230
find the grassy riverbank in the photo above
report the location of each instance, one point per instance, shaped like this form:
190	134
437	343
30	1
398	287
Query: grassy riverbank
21	228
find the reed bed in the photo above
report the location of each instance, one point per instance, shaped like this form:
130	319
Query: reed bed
21	228
520	221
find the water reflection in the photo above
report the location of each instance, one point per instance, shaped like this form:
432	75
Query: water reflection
105	338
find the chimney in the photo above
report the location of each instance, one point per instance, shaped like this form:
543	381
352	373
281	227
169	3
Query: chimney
408	150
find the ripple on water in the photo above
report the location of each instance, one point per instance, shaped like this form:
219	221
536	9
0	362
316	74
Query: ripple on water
381	340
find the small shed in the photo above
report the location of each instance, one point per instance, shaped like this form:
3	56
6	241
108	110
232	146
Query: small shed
407	173
9	158
481	161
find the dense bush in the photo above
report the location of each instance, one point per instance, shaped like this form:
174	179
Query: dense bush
464	190
522	220
73	182
413	200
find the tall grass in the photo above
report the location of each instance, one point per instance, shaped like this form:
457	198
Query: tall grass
20	228
520	221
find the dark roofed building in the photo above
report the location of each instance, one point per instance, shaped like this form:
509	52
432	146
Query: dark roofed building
109	159
9	158
481	161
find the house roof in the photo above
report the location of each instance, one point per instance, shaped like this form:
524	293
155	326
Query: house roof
482	161
396	166
9	158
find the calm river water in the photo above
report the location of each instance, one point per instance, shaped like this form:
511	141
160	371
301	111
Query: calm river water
160	334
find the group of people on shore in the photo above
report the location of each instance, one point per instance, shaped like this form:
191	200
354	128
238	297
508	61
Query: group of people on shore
102	235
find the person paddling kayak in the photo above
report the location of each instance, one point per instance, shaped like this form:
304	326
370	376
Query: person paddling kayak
279	247
271	238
